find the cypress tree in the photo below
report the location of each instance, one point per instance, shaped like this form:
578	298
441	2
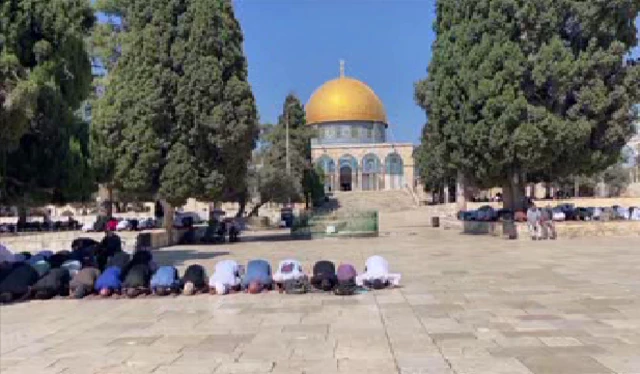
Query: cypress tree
178	117
45	75
528	90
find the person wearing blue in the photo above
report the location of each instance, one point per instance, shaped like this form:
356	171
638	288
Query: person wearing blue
258	277
165	281
109	281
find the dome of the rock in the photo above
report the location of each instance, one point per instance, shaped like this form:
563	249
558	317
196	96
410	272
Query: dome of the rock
344	99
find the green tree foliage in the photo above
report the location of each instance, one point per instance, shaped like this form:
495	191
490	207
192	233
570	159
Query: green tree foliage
530	88
178	118
275	182
45	74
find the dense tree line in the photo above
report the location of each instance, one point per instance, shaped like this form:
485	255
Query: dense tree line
526	91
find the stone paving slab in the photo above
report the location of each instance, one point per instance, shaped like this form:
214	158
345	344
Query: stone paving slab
472	305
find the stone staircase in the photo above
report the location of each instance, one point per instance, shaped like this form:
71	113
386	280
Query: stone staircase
382	201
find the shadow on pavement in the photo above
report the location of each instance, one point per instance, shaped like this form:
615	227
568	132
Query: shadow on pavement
179	255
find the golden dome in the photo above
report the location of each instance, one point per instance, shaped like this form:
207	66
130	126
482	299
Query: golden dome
344	99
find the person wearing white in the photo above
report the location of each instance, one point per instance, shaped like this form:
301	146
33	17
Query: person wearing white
376	273
226	277
288	270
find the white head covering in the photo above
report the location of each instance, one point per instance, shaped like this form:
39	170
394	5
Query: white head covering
221	288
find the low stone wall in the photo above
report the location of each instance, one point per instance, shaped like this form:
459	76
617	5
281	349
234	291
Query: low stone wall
564	230
57	241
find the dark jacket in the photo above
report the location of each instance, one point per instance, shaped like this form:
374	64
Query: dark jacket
196	275
55	283
138	276
19	280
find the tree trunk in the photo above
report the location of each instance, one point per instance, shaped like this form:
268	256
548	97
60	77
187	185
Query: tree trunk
602	187
167	223
461	192
109	201
576	188
513	193
242	202
22	213
254	211
547	190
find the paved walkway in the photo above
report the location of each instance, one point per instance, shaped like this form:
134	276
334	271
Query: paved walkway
469	305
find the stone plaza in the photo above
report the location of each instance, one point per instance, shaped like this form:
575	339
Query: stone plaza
467	305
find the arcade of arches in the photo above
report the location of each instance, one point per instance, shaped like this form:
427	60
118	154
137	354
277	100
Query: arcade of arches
365	168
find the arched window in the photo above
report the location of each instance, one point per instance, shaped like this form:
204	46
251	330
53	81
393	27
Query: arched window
370	172
328	167
348	167
394	168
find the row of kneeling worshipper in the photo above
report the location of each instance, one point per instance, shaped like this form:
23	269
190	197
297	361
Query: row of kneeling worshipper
47	275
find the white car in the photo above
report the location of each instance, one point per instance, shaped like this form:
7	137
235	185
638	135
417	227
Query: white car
558	215
123	225
146	224
635	214
89	226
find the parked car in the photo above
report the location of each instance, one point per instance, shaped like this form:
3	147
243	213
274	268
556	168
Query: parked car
634	214
89	226
569	211
505	214
583	214
180	219
559	214
147	223
470	215
123	225
597	213
486	213
620	213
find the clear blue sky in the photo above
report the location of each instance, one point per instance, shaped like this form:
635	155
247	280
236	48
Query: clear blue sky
295	46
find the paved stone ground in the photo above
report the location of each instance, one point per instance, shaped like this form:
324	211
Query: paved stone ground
469	305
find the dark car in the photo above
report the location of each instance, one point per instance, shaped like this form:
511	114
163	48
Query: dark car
569	211
486	213
470	215
505	214
584	214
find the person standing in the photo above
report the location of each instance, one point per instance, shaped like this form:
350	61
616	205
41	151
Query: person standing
546	223
533	221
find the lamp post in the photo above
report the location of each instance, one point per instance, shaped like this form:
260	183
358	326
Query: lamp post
286	124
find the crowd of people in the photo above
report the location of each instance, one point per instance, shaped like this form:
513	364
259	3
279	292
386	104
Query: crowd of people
103	269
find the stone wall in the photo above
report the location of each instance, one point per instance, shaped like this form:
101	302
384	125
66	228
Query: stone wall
57	241
564	230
